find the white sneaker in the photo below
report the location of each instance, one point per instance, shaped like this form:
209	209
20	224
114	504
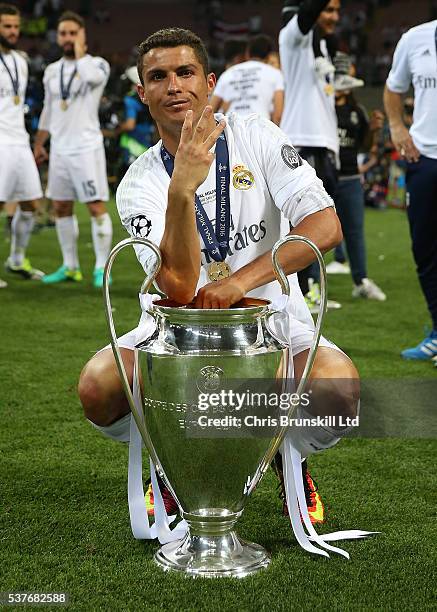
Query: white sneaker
323	67
3	284
344	82
312	299
336	267
368	289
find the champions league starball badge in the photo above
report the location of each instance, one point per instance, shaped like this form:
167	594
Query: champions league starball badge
290	156
141	226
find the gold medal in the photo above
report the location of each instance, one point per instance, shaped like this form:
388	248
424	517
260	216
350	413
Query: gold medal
217	270
16	99
64	105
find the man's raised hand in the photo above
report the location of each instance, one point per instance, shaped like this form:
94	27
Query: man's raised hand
193	157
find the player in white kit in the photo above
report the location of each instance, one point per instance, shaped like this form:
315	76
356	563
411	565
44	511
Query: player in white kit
252	86
19	178
267	184
77	166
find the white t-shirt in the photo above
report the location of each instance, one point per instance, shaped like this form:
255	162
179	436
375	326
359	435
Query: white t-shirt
415	61
77	128
12	130
309	117
249	87
266	186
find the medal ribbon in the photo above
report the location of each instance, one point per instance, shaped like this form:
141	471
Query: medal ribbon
65	90
216	242
15	81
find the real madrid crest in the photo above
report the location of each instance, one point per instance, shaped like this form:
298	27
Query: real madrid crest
242	178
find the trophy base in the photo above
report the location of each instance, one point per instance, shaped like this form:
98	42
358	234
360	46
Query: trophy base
213	556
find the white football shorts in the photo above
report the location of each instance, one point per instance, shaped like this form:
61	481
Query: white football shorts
19	176
301	338
80	176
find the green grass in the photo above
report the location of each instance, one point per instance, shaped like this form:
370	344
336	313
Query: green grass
64	523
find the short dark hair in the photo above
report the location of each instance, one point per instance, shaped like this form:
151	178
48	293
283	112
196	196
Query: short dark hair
233	47
173	37
72	16
9	9
260	46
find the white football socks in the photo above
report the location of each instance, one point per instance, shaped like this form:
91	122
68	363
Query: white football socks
21	229
67	230
101	230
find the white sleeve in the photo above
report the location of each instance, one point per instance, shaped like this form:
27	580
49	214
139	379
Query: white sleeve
290	35
141	205
292	182
44	118
93	70
399	78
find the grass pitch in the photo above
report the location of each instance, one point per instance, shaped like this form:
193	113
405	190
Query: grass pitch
64	523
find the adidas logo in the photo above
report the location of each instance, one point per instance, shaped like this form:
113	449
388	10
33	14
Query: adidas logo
426	52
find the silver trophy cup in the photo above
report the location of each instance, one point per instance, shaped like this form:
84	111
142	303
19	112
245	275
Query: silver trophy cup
210	474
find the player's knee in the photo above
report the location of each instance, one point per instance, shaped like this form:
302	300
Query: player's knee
96	393
100	389
335	390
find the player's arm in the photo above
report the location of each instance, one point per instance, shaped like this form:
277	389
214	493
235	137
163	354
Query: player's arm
92	70
43	133
300	196
39	150
180	244
308	14
278	106
393	103
398	83
322	227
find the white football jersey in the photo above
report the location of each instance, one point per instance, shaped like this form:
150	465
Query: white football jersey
249	87
76	128
309	118
267	179
12	130
415	61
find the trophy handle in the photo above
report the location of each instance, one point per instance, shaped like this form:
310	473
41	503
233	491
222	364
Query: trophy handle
114	342
285	285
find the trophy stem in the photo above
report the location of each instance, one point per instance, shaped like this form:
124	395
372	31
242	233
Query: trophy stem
213	556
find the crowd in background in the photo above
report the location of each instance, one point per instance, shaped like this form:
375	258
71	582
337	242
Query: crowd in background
384	177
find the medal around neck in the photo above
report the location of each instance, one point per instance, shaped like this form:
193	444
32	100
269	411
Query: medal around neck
218	270
16	100
64	105
209	473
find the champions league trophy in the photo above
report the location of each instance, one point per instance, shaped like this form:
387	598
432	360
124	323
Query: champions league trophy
211	476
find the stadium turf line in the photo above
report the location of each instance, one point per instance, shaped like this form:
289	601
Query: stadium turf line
64	522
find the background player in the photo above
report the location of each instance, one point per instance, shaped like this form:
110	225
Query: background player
309	118
414	62
19	178
77	167
252	86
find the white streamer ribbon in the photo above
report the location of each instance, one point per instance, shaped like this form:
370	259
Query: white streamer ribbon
141	528
292	461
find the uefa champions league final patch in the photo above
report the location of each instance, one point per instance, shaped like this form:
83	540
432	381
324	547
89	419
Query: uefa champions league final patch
290	156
